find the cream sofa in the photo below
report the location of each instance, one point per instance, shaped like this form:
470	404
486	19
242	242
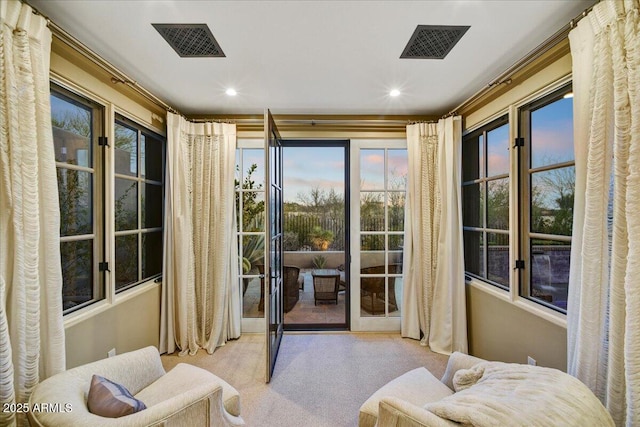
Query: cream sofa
487	394
184	396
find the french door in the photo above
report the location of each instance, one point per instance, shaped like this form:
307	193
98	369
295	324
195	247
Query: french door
273	242
378	185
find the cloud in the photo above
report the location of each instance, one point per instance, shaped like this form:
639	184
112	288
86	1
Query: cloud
398	166
374	159
294	185
338	165
498	164
552	145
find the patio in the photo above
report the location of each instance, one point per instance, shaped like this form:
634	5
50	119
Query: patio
305	310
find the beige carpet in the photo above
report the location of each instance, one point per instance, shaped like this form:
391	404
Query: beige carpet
320	380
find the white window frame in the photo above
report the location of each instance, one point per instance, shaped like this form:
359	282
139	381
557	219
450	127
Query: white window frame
249	324
359	322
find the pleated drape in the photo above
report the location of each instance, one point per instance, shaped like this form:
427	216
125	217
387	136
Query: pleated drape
604	303
31	327
201	296
433	296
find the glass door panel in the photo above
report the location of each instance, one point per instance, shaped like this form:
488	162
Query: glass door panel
382	177
316	227
273	261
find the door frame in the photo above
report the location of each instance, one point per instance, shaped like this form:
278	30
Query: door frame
366	323
332	143
273	302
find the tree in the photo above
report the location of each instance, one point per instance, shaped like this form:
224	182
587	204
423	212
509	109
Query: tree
498	204
77	121
317	208
74	192
321	238
313	201
559	187
252	220
252	208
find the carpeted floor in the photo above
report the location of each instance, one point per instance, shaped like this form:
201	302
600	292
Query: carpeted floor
320	380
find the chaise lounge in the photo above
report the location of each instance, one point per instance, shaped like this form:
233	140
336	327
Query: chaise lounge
473	391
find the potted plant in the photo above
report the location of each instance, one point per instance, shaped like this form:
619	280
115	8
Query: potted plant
319	262
252	252
252	256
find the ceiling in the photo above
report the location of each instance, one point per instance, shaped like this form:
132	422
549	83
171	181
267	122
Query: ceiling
312	57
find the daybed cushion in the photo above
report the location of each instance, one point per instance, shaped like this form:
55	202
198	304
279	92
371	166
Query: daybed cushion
182	378
418	387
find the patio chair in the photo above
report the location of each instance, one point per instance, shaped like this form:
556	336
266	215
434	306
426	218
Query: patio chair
291	287
372	289
326	287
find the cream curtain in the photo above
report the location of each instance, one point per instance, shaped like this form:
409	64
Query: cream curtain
31	328
201	296
604	293
434	296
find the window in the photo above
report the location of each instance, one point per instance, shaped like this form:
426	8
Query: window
383	181
485	208
542	200
547	193
138	203
77	125
83	172
249	184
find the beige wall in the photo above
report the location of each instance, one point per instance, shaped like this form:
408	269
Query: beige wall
498	328
125	326
129	320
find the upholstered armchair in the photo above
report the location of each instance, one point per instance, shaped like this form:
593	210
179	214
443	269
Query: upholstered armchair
184	396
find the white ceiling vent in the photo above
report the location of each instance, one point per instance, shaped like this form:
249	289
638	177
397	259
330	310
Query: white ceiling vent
190	40
433	41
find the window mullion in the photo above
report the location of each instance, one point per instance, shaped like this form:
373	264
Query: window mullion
485	207
523	204
140	190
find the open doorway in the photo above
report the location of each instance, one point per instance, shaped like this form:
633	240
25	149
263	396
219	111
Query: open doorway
374	203
316	235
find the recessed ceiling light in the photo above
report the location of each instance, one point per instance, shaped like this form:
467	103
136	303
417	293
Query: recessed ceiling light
231	92
394	92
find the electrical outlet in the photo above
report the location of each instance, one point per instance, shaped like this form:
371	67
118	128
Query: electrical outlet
111	352
531	361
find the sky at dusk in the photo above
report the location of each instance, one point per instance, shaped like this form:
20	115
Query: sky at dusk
309	167
551	138
323	167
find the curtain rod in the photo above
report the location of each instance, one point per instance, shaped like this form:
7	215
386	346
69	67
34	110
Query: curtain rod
426	122
314	122
545	46
117	76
